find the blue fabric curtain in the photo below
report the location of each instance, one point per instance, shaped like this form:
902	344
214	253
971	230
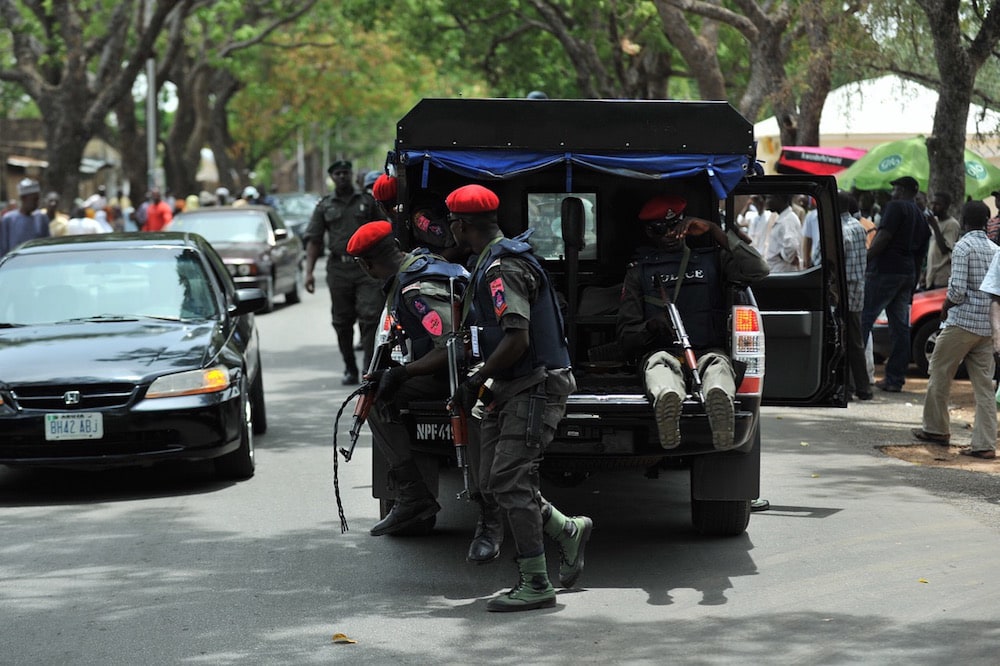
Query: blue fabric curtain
723	171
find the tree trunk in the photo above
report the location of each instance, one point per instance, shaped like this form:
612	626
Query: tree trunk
769	82
65	140
231	167
132	146
946	147
699	51
813	98
188	133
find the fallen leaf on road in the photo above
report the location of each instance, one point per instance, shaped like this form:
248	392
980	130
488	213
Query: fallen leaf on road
342	638
803	443
922	580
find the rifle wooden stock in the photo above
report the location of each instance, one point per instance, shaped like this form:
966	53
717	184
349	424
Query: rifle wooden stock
456	415
680	333
367	392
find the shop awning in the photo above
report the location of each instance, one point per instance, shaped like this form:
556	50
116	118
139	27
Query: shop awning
817	160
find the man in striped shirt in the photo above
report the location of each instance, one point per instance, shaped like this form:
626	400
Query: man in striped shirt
965	335
855	262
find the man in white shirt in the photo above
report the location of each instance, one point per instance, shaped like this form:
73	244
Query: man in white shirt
780	240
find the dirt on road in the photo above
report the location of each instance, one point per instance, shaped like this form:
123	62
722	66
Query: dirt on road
962	410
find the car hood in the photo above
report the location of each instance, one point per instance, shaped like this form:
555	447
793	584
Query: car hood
240	250
105	351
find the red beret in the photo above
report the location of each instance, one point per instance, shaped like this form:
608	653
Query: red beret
384	188
663	207
368	236
472	199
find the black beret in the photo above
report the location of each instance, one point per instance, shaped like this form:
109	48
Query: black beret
340	165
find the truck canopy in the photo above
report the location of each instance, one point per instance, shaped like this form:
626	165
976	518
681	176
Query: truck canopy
653	140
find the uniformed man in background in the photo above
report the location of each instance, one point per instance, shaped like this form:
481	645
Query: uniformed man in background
512	312
354	295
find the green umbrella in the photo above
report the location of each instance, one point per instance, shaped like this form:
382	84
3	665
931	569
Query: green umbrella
908	157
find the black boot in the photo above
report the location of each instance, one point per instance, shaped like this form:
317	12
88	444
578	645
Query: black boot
345	339
414	502
485	546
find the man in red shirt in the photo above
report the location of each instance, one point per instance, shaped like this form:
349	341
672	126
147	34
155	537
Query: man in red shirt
158	214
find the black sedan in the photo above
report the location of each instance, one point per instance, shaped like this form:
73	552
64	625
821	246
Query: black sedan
255	245
123	349
296	209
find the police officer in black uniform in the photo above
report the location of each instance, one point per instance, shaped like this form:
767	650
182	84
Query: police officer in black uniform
694	260
515	324
418	287
354	296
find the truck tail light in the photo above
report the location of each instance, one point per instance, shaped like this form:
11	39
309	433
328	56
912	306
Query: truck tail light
748	348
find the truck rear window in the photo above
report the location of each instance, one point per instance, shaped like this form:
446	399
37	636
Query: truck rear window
544	214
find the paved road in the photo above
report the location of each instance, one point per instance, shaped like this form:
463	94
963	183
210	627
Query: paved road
862	559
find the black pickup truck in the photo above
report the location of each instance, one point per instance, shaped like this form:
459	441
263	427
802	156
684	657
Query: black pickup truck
578	171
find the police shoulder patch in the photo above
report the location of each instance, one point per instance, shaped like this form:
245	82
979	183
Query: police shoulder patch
432	323
420	306
499	299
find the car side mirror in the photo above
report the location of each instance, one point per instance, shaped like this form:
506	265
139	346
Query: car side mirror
280	234
246	301
572	223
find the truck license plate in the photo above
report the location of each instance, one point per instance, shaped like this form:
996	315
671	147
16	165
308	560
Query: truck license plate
84	425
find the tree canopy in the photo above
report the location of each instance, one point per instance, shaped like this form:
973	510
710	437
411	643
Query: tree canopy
251	78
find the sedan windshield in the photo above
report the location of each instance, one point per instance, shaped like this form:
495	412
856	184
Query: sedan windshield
106	285
296	205
232	226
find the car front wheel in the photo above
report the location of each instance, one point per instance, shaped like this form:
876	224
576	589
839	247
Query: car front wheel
240	464
293	297
257	405
269	293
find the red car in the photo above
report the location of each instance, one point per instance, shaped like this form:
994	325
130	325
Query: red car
925	320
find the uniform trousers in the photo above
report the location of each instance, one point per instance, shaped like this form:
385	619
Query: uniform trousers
389	433
354	297
508	465
664	373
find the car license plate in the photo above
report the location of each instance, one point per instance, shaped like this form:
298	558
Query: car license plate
83	425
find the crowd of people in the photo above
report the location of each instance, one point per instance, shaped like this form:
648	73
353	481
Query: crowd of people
26	218
894	249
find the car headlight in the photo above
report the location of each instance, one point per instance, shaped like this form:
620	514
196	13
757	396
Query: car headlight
242	270
208	380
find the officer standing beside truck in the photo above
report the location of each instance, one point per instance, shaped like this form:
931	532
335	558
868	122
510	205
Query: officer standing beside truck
354	296
418	288
690	260
517	329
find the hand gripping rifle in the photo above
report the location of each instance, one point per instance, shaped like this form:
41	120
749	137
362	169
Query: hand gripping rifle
367	391
459	419
681	338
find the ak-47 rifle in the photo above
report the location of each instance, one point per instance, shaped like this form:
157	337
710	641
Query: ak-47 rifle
680	333
367	391
459	419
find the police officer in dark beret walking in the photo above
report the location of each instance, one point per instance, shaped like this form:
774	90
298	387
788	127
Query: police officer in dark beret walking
354	296
513	316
